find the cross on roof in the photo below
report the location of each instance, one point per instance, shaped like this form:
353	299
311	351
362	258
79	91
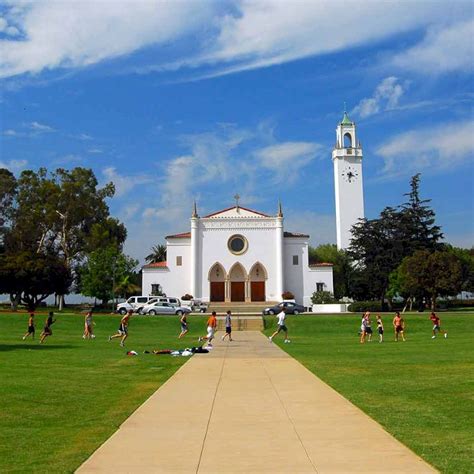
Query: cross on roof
236	197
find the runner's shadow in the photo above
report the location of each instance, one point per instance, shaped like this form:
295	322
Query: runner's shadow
36	347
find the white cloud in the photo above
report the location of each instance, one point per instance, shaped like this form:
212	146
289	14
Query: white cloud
434	149
95	150
124	183
10	133
386	97
443	50
7	29
40	127
80	33
286	159
226	37
14	166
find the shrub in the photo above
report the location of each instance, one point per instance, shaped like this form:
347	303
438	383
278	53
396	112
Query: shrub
187	297
361	306
288	295
323	297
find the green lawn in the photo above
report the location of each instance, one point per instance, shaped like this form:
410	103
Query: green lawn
61	400
421	391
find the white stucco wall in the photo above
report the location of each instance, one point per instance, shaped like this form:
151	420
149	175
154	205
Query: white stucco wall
261	248
175	280
295	274
317	275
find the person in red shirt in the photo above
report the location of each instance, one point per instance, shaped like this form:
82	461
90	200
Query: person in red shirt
437	326
211	329
399	326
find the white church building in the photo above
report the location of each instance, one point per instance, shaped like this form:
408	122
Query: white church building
243	255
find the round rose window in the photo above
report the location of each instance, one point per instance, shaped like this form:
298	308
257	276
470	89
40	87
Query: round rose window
237	244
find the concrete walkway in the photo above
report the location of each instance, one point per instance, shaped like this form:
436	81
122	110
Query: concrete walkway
250	408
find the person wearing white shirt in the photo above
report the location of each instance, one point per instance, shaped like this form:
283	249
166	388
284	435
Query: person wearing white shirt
281	326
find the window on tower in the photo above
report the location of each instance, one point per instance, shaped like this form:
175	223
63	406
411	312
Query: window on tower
347	140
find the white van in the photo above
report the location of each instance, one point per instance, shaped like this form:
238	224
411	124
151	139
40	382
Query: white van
135	303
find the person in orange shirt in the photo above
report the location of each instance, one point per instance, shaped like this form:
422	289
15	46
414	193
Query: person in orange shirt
211	329
399	326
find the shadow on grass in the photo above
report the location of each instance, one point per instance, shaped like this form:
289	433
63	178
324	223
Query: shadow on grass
31	347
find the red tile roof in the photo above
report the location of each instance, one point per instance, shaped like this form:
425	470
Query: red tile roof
183	235
322	264
295	234
156	265
233	207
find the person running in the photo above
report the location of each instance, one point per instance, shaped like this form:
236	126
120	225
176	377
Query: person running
211	329
399	326
31	326
184	326
123	328
368	326
436	326
281	326
228	326
380	327
47	331
88	326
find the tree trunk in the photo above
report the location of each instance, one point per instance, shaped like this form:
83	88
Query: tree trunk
15	301
61	302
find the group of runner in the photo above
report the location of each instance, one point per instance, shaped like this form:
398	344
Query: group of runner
398	327
122	332
47	331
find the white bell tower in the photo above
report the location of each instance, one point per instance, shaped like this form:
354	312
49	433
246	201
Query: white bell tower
347	160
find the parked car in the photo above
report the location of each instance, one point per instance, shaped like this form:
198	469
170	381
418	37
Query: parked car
291	308
134	303
160	299
195	305
165	308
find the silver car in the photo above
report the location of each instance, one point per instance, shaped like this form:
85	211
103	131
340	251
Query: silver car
165	308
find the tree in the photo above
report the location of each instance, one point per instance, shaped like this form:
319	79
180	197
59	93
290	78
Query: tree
466	258
342	268
417	222
378	246
30	277
158	254
125	287
58	215
430	275
105	267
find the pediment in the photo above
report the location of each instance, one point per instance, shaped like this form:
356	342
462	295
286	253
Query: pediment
236	212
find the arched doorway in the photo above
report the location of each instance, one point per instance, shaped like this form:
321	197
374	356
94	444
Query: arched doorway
237	278
257	277
217	282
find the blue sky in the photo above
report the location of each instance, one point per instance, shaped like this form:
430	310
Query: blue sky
175	101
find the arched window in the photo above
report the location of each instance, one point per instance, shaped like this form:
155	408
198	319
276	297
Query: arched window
347	140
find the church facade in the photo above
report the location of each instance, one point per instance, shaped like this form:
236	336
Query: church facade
243	255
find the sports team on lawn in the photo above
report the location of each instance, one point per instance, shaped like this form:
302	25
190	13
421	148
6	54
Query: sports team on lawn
122	332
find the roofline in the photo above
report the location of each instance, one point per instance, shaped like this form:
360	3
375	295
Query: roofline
182	235
234	207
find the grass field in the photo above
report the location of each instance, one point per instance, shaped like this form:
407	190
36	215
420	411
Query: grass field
61	400
421	391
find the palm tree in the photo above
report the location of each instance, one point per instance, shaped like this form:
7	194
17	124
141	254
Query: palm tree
126	288
158	254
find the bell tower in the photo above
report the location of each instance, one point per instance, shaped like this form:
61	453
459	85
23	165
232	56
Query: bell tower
348	186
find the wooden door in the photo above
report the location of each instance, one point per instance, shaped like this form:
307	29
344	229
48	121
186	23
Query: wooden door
237	291
257	290
217	291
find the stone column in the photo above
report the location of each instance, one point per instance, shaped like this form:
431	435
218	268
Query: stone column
194	264
247	289
227	289
279	256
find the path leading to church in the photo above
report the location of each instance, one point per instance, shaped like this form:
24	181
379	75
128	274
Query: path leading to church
248	407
